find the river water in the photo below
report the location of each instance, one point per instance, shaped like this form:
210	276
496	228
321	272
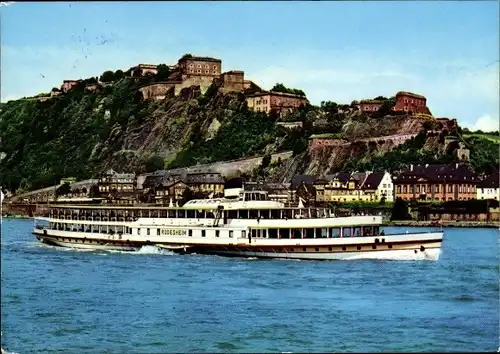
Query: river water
60	300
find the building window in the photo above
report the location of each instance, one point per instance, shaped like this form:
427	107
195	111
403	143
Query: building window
199	65
207	72
450	188
199	71
215	67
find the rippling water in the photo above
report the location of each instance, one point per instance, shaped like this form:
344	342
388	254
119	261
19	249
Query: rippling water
70	301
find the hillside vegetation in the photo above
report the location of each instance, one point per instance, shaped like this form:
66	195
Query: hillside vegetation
82	133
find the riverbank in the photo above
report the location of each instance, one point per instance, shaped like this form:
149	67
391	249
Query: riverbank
415	223
16	216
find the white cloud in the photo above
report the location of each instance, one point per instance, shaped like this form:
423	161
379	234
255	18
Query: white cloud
486	123
6	3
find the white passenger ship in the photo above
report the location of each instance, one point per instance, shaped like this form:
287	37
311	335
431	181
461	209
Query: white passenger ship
242	223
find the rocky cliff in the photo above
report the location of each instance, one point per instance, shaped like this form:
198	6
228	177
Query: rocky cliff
82	133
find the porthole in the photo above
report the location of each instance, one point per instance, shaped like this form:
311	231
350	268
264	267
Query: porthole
344	248
317	249
358	247
329	248
304	249
374	247
390	246
292	250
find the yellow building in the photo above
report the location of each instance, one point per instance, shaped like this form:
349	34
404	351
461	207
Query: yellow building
205	183
352	187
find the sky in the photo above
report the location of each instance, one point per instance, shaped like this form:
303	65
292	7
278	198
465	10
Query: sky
335	51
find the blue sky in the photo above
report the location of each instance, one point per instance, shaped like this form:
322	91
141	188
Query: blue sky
338	51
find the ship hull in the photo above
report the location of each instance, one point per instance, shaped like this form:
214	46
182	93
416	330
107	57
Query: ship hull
393	248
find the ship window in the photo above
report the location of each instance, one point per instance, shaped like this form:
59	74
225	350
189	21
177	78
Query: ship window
389	245
284	233
147	231
253	214
318	233
292	250
344	248
329	248
202	233
138	231
264	233
297	233
254	233
190	214
232	214
181	213
217	233
356	232
273	233
309	233
346	231
243	233
374	247
190	232
358	247
335	232
275	214
243	214
317	249
210	215
157	232
230	233
264	214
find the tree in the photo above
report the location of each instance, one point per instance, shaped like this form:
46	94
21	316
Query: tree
428	125
187	195
400	210
266	160
329	107
380	98
279	87
154	163
162	72
107	76
118	75
63	189
94	191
